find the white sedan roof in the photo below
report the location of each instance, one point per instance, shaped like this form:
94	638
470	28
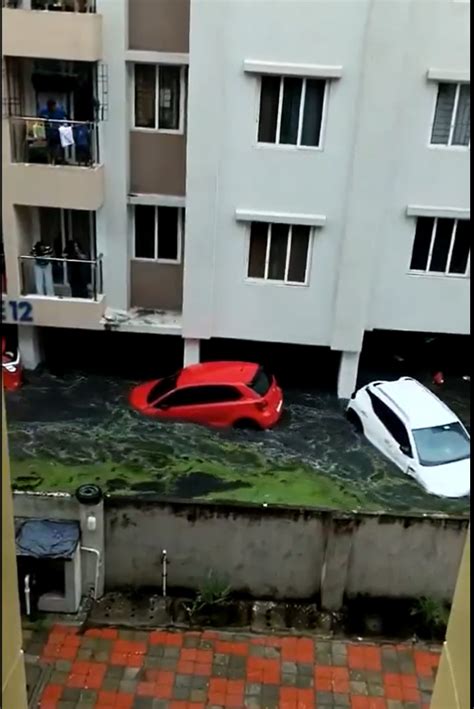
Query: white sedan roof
421	408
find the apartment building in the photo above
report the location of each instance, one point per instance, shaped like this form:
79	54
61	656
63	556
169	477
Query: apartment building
286	172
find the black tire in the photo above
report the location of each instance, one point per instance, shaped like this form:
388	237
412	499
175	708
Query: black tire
89	494
354	419
248	424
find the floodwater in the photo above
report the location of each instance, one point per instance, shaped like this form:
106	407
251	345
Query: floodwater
65	431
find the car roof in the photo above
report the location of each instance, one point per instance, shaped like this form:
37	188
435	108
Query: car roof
217	373
418	405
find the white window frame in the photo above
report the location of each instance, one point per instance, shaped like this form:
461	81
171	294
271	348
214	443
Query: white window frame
448	145
445	273
182	100
274	281
155	258
297	146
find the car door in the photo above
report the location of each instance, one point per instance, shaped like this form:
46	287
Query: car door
179	404
390	433
208	404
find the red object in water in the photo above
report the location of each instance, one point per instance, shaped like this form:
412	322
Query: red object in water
213	393
12	371
438	378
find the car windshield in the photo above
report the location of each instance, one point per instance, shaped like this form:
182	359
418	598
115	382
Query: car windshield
162	387
442	444
261	382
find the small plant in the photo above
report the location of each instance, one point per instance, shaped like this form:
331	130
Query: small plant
214	591
433	614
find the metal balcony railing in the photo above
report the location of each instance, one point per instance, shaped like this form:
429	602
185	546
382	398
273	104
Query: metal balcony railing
56	6
53	142
61	277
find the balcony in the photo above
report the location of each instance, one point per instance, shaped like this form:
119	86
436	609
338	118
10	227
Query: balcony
72	28
58	292
55	164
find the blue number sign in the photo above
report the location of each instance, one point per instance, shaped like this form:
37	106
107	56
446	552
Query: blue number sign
20	311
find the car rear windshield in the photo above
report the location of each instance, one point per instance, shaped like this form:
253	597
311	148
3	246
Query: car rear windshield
261	382
440	445
162	387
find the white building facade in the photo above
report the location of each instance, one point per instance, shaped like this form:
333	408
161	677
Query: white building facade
294	171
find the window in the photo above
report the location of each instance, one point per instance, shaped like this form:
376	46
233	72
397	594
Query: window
279	252
261	383
441	445
199	395
391	421
158	233
441	246
291	110
162	387
452	118
159	97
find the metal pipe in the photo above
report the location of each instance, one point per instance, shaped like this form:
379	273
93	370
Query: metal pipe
97	567
27	595
164	573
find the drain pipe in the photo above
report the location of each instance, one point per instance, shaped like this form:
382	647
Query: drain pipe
27	595
97	567
164	573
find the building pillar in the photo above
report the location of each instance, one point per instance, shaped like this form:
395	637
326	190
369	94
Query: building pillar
29	344
191	351
347	376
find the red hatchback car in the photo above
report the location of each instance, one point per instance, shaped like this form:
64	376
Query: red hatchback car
237	394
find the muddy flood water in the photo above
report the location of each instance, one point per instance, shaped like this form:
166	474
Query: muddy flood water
75	429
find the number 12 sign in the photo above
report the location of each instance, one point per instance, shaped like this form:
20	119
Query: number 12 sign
18	311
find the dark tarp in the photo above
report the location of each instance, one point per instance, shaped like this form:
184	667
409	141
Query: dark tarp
47	539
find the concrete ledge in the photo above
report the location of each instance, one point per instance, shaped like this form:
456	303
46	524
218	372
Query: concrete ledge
458	76
74	36
60	186
414	210
255	66
252	215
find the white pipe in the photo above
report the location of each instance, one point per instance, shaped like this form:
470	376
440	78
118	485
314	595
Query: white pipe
164	562
97	567
27	595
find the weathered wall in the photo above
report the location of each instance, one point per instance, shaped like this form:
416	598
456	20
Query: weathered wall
265	554
282	552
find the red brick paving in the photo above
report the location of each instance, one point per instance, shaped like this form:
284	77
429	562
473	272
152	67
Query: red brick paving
111	668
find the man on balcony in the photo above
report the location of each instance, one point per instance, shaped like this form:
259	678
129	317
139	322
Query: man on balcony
53	115
43	268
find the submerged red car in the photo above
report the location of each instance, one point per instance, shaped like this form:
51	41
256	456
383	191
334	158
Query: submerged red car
12	371
239	394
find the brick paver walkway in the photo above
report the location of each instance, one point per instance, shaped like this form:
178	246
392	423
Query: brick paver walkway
191	670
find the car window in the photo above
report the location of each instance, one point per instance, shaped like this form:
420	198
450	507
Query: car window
440	445
162	387
391	421
261	382
192	396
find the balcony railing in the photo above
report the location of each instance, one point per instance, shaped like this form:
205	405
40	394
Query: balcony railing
61	277
57	6
53	142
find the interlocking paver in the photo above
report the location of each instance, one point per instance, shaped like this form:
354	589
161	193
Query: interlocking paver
106	667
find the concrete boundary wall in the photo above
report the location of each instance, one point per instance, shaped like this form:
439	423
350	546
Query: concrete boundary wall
275	552
282	552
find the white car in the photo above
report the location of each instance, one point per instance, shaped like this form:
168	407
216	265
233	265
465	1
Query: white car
414	429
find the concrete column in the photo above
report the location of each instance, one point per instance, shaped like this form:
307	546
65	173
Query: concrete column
29	343
336	565
347	376
191	351
92	537
112	220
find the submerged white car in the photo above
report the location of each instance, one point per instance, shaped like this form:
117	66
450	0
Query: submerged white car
417	431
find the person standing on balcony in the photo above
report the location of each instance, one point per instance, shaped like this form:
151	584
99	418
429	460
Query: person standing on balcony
77	273
43	268
53	115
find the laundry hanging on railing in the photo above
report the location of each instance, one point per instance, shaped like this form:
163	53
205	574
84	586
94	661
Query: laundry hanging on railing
65	136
